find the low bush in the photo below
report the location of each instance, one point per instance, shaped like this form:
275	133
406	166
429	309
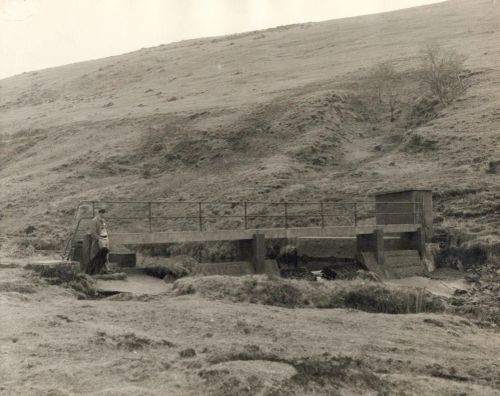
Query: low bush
465	257
362	295
378	298
422	111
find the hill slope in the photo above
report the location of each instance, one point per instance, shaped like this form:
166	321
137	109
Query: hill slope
267	115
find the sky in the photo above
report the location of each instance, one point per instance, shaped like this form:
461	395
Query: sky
36	34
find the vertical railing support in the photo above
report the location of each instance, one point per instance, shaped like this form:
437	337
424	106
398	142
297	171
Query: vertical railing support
286	214
150	216
246	214
93	209
200	213
322	210
355	214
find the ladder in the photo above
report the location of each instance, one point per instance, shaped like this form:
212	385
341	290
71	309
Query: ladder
78	230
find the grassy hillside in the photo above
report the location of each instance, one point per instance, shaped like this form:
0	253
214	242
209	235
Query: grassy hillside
277	114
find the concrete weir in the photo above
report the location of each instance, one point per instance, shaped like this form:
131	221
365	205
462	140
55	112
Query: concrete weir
252	243
369	245
401	222
373	247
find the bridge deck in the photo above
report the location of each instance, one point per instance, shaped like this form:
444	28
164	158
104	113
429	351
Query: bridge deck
155	238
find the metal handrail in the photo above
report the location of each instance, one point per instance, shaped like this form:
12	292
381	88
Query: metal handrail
252	202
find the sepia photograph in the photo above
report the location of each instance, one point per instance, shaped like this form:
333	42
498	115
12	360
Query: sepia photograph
249	197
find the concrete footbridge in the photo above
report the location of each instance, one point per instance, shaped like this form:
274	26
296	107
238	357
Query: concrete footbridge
393	222
158	238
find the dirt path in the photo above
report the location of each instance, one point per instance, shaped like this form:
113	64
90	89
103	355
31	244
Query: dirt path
53	344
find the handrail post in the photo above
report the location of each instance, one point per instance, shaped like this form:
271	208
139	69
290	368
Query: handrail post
355	214
93	208
150	216
414	212
200	216
286	214
322	215
246	215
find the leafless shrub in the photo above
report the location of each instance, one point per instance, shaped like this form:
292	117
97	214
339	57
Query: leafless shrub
385	82
440	72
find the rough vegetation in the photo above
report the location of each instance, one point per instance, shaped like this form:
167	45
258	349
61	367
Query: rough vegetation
325	374
129	345
67	274
482	301
363	295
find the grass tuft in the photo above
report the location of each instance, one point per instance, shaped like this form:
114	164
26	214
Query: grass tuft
362	295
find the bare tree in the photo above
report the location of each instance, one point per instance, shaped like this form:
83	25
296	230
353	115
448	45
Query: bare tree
385	81
441	70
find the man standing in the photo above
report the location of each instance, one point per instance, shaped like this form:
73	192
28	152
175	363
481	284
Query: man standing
99	250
